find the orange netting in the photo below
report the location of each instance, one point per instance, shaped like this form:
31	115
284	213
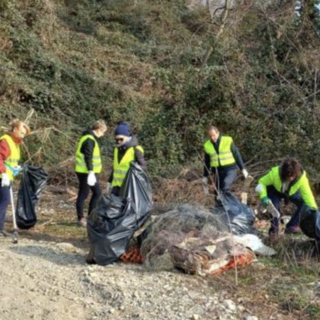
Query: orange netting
132	255
237	261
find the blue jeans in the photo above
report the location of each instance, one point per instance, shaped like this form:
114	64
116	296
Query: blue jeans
276	197
4	201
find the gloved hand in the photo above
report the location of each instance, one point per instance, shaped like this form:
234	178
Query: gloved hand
91	180
16	170
108	187
205	181
5	181
265	201
245	173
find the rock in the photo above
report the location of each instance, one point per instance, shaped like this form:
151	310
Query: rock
251	318
229	304
66	247
195	317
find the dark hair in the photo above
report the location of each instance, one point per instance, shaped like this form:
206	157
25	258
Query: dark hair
290	167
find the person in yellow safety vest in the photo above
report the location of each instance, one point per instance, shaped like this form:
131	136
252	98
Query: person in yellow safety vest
288	181
88	166
221	158
126	151
9	164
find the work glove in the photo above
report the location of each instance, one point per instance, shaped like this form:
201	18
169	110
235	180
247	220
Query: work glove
205	181
245	173
16	170
108	187
91	180
266	201
5	181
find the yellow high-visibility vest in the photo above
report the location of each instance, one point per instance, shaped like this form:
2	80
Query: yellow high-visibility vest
81	166
13	159
225	156
272	178
120	169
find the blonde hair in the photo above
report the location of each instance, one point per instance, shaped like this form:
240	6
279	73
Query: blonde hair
16	123
99	124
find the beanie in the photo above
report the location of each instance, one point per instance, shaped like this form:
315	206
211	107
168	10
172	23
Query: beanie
122	129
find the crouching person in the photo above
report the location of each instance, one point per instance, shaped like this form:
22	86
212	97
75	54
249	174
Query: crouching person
126	151
9	164
289	182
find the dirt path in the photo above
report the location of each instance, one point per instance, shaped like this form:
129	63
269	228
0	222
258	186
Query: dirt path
43	280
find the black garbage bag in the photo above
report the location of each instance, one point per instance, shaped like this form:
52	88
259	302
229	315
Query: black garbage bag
113	222
236	215
33	181
137	187
310	222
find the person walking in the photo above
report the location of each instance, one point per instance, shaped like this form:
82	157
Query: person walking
9	164
127	150
88	167
221	158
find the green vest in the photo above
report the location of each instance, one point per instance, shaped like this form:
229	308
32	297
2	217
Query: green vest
225	156
14	157
272	178
81	166
120	169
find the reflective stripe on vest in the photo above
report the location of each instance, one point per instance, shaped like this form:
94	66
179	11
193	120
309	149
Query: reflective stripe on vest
14	157
81	165
225	156
272	178
121	169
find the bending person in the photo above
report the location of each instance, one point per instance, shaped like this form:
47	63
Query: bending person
9	164
126	151
289	182
88	167
222	158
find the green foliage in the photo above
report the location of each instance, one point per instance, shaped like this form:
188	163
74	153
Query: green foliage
3	5
142	61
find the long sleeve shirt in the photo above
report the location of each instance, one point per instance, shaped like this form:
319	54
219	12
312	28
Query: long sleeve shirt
5	151
235	152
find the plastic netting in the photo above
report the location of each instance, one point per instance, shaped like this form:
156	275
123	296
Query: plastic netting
190	238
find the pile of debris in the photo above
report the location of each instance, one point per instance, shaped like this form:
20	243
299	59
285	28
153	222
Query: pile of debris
190	238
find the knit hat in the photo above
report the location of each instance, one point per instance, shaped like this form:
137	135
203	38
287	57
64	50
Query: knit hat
122	129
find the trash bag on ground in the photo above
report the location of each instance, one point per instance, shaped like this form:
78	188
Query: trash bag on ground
237	216
194	240
33	181
137	187
310	222
113	222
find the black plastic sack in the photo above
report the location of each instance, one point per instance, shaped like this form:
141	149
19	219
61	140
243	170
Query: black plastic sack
310	222
113	222
137	187
33	181
237	216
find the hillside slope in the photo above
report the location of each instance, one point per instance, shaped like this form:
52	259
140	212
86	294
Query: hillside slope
167	69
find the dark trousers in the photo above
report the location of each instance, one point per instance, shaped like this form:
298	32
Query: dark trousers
83	193
115	191
4	201
223	178
276	197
